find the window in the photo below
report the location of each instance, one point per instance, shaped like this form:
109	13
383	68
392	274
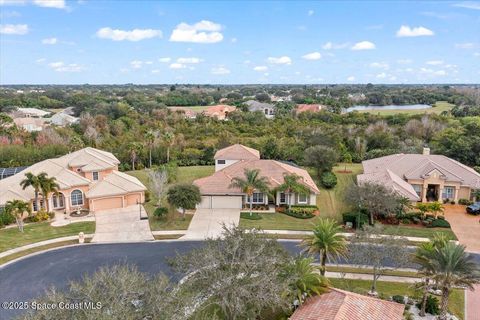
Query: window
266	111
34	205
257	197
95	176
418	189
448	193
302	198
79	169
58	201
220	161
76	197
283	197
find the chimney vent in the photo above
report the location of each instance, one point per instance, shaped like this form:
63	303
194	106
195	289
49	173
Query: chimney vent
426	151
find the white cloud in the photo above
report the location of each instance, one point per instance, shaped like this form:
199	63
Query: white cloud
59	4
189	60
363	45
382	75
406	31
154	71
233	40
279	60
50	41
136	64
20	29
330	45
260	68
434	62
177	66
220	71
468	5
432	72
476	54
165	60
60	66
40	60
312	56
310	12
132	35
379	65
12	2
351	78
201	32
465	45
404	61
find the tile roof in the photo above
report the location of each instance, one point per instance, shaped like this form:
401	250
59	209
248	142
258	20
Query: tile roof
237	152
116	183
389	179
274	171
254	105
344	305
308	107
219	111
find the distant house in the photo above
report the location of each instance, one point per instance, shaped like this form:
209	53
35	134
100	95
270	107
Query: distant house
266	108
220	111
29	112
309	108
422	177
30	124
62	119
344	305
187	112
231	162
87	178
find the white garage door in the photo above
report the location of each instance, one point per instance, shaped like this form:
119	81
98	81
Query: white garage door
221	202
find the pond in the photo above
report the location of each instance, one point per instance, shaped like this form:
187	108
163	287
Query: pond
390	107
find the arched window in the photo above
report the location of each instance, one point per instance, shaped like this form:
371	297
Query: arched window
76	197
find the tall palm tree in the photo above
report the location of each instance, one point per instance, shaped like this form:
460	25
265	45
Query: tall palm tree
420	254
33	181
306	281
252	181
48	185
150	137
326	241
291	185
17	208
133	150
169	137
450	266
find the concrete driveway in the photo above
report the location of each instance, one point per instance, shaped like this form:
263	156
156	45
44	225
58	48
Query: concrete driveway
465	226
207	223
121	225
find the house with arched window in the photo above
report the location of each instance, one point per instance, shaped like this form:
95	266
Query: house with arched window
87	178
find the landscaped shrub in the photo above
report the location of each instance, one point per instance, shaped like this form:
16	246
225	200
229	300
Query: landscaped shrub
160	212
301	213
431	306
6	218
399	299
246	215
41	215
147	196
439	223
465	202
353	216
328	179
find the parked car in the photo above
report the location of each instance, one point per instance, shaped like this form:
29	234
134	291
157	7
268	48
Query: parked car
474	208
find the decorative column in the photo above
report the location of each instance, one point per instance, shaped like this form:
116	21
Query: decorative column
457	190
424	193
440	194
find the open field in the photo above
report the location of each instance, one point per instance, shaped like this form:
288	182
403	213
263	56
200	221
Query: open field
36	232
456	304
438	108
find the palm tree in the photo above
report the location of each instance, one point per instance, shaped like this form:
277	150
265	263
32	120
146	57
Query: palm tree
250	183
306	281
17	208
450	266
291	185
48	185
150	137
169	137
326	241
32	180
420	254
133	149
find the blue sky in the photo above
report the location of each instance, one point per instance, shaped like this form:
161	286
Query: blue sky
103	42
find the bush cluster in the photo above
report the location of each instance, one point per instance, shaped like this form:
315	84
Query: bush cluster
465	202
439	223
431	306
301	212
328	179
41	215
357	218
160	212
6	218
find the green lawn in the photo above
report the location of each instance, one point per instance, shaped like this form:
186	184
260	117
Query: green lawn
35	232
331	202
173	221
438	108
456	303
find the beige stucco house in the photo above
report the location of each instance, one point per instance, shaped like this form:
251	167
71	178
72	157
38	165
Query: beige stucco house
231	162
88	178
422	177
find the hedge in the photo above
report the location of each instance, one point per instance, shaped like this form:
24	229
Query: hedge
439	223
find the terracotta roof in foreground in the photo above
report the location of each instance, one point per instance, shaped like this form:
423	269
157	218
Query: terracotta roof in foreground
344	305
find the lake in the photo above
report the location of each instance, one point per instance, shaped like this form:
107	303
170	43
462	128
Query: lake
390	107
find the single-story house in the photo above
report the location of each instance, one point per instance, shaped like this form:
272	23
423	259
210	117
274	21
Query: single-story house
188	113
29	112
231	162
30	124
309	108
344	305
62	119
87	178
266	108
220	111
422	177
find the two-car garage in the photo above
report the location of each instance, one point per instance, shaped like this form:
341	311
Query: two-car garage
220	202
